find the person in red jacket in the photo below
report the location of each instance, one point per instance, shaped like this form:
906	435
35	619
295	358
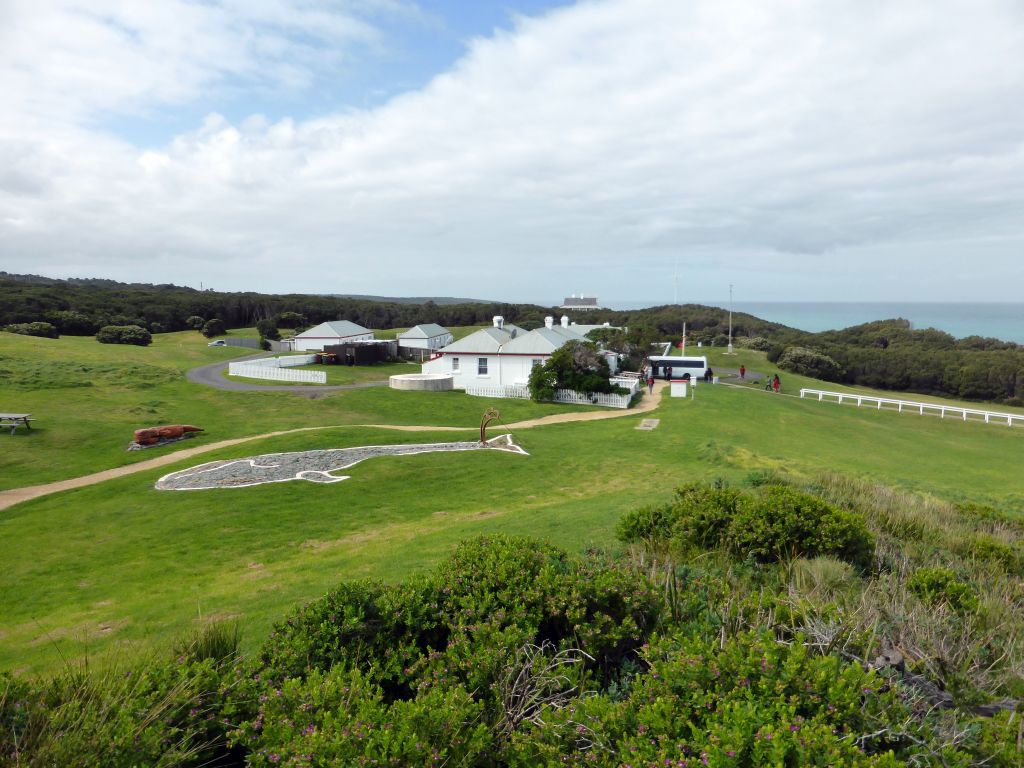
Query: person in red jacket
776	384
743	371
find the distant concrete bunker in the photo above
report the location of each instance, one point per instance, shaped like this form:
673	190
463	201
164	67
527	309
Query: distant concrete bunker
314	466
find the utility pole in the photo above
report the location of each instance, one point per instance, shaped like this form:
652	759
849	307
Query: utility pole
730	352
675	284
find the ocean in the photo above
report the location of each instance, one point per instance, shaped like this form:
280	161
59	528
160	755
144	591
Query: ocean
1001	320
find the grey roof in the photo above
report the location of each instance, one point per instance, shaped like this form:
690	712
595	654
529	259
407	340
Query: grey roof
486	340
581	301
423	331
542	341
333	328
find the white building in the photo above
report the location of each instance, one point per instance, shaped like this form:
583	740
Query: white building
331	332
504	354
425	336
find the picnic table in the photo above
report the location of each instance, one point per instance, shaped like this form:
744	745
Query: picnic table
15	420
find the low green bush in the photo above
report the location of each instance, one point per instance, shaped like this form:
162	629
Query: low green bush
783	523
940	586
809	362
760	343
44	330
747	701
213	327
778	523
124	334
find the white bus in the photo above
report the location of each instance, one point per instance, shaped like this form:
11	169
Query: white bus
668	367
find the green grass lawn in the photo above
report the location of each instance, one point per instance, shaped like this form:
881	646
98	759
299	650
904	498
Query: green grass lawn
121	566
88	398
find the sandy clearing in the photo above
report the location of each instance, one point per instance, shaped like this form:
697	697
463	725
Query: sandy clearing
14	496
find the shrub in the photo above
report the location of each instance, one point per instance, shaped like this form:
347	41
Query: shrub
542	383
195	322
759	343
940	586
124	334
808	362
343	718
44	330
778	524
783	523
575	365
736	701
72	323
214	327
267	329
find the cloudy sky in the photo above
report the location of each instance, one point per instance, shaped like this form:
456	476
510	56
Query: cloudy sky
523	150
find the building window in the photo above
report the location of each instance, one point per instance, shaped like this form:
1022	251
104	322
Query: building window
455	365
536	363
481	366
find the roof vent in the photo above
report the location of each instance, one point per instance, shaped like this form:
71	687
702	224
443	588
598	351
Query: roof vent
499	321
549	322
565	321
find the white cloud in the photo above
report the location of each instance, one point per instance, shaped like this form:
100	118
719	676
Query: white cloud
583	150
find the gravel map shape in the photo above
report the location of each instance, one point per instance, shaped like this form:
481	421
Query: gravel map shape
314	466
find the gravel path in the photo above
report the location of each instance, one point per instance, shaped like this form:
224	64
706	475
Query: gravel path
212	375
14	496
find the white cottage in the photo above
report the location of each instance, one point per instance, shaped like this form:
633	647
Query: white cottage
503	354
427	336
329	333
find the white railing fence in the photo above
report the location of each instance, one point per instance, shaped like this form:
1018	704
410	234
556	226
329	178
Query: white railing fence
887	403
522	392
272	373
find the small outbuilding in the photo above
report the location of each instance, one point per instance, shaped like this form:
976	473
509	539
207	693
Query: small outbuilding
331	333
421	341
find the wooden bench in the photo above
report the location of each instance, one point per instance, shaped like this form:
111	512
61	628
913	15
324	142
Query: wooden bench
15	420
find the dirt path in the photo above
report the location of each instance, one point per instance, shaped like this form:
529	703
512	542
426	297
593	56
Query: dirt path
17	495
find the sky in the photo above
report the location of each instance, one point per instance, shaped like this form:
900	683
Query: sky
636	150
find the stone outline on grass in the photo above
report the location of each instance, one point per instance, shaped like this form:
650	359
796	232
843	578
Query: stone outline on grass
246	472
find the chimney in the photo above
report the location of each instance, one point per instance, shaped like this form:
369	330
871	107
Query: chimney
499	321
565	321
549	322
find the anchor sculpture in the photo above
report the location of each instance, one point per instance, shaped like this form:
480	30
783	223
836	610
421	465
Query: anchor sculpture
491	414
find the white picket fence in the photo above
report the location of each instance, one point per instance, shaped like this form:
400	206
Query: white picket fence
972	414
522	392
272	373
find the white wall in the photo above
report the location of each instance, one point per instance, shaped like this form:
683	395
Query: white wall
467	373
434	342
317	345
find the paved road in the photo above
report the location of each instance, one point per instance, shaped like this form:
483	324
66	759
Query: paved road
735	373
213	376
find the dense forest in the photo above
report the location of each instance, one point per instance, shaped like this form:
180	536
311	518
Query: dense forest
886	354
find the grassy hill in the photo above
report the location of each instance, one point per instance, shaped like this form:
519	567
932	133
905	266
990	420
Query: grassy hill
119	565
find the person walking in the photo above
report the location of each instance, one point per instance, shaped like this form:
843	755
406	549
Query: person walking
776	384
650	383
743	372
